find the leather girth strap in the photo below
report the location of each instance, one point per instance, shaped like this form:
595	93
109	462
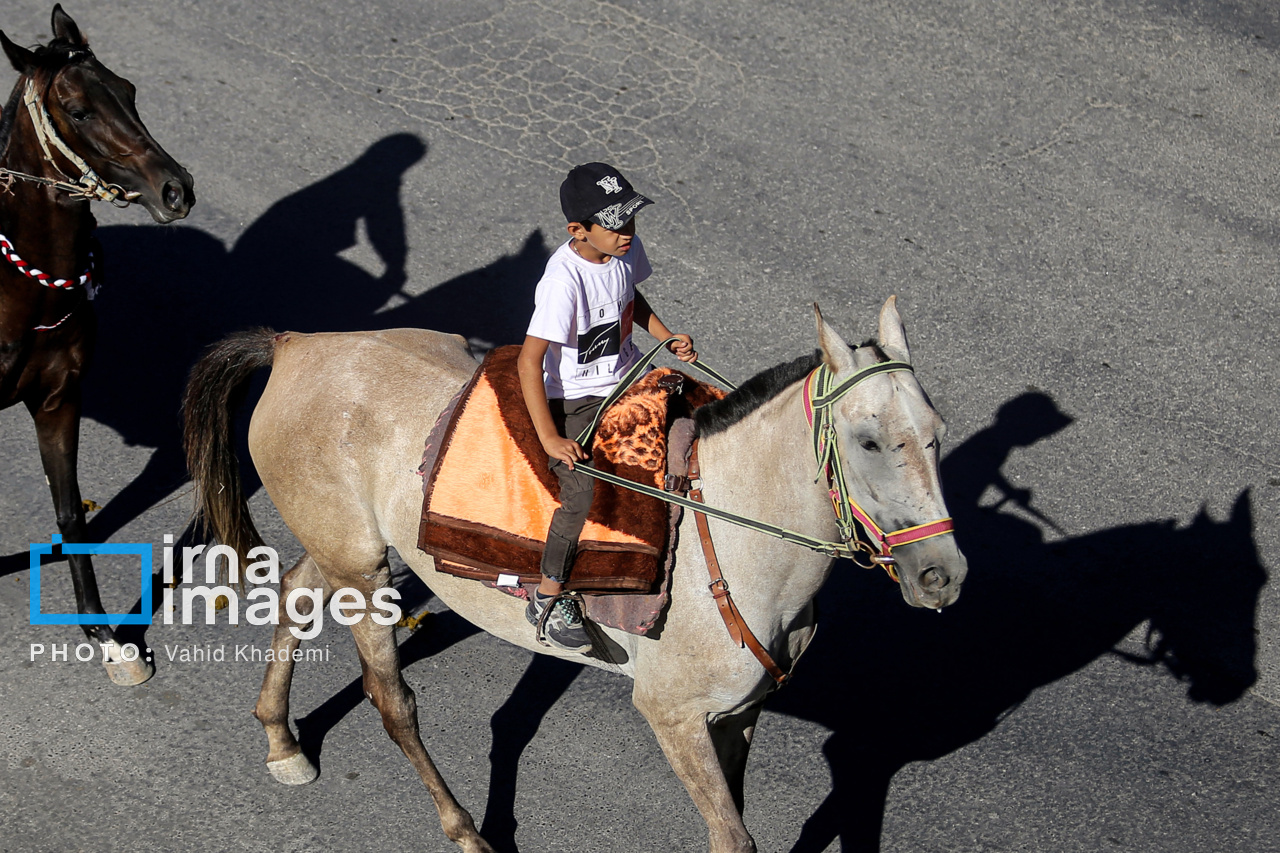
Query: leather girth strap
733	620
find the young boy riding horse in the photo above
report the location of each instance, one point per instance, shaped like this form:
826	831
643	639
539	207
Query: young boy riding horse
576	349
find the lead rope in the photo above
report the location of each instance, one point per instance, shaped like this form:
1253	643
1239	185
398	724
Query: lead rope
628	379
832	549
86	279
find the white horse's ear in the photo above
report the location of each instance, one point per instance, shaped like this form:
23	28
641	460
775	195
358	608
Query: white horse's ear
835	352
893	337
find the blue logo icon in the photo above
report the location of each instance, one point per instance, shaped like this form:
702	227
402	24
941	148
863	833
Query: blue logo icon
144	554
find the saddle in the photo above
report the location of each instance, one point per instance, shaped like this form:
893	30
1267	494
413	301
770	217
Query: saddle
488	491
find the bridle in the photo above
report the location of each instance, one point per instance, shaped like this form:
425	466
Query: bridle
89	185
819	398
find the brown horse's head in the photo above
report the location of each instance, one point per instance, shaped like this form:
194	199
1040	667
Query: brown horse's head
91	109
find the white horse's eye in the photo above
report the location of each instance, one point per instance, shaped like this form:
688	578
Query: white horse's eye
870	446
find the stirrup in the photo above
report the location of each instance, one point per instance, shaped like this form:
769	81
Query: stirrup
541	626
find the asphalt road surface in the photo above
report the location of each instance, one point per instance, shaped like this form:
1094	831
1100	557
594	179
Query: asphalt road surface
1076	203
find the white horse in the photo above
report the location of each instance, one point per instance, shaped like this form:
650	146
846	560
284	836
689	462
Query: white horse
337	438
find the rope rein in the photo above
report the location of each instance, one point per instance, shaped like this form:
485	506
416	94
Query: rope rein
819	397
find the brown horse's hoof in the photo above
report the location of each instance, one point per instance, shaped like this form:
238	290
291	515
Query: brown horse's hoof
297	769
129	672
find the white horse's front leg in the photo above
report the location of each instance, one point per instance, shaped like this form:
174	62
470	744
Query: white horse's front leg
731	736
686	740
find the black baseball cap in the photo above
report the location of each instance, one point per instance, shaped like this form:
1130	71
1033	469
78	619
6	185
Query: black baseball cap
597	192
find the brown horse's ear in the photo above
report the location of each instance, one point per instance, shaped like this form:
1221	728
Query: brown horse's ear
20	58
65	28
835	352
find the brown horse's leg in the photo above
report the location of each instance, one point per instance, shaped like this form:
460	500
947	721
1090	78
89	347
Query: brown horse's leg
386	689
686	741
57	422
285	758
732	738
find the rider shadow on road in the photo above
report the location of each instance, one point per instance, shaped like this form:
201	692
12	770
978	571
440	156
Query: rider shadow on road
1089	591
171	292
177	291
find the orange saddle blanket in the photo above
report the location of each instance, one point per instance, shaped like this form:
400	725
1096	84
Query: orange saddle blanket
489	492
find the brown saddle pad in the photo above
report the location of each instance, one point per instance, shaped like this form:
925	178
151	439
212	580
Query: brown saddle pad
638	613
489	492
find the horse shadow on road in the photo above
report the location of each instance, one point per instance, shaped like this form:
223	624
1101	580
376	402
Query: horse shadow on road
1089	592
171	292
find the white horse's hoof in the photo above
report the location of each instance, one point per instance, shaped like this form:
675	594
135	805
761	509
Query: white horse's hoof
295	770
127	672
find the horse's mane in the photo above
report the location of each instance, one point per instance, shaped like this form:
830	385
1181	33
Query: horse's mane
755	392
719	415
49	58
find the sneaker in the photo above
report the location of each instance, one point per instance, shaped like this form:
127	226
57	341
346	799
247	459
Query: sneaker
563	627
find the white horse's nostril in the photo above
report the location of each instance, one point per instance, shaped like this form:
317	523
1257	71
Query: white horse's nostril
933	579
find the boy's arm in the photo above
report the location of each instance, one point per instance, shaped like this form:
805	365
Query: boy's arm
529	366
646	319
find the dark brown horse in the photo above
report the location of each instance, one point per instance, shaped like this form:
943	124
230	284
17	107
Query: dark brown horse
69	134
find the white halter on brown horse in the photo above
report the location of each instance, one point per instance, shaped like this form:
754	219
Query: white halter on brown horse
337	438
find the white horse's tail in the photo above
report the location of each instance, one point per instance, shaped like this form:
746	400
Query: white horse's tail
214	390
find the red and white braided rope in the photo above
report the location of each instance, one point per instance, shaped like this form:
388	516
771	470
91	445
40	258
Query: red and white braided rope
54	325
6	249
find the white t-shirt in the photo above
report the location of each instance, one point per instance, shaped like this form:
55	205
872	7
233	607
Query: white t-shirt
585	311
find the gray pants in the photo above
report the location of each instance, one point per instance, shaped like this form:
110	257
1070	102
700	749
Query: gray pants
571	417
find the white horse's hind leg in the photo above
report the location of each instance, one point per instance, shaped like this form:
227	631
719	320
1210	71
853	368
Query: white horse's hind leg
686	740
285	759
395	701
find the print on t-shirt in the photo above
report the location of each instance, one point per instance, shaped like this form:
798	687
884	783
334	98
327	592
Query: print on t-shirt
599	341
608	336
